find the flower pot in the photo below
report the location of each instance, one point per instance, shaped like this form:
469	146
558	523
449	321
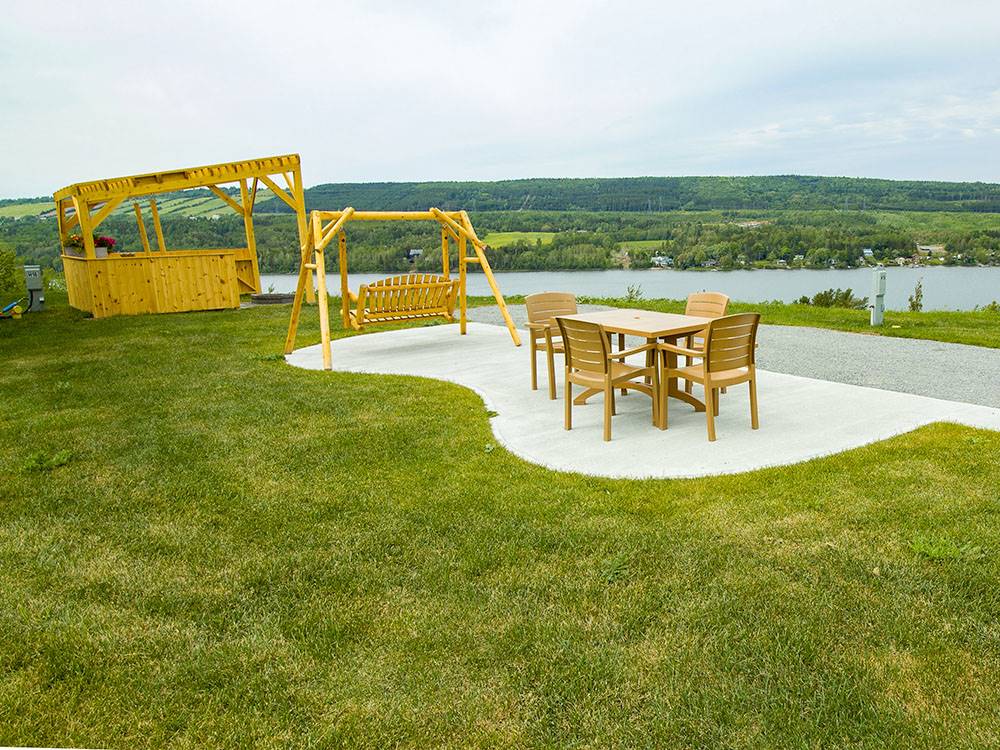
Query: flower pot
76	252
101	252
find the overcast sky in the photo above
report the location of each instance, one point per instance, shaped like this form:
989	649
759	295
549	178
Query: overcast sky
374	91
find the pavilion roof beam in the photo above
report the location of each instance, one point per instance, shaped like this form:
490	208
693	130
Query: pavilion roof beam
226	198
194	177
104	212
279	192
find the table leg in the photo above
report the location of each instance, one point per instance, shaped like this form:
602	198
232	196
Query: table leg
672	390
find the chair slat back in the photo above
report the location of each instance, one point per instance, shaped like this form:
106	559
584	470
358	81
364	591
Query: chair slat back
545	306
729	343
707	304
586	345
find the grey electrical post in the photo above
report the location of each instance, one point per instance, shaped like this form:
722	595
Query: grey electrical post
33	282
878	297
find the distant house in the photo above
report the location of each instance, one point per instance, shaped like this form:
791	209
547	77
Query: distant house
902	261
867	252
710	263
931	250
799	258
662	261
782	263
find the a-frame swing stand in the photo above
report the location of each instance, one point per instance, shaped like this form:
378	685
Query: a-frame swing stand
325	225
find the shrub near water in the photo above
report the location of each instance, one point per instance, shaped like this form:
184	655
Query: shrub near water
835	298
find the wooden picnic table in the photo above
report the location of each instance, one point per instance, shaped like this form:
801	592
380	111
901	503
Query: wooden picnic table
653	327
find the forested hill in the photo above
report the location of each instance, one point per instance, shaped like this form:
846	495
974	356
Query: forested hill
661	194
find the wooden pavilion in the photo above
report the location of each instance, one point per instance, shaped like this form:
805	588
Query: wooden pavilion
156	280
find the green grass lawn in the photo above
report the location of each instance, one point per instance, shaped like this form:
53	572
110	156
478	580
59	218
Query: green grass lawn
201	546
978	328
501	239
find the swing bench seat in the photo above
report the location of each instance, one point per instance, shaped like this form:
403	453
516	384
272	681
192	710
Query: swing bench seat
407	297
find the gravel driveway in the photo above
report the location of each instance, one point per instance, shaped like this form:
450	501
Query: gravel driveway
954	372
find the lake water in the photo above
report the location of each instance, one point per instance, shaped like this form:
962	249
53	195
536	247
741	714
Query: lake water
945	288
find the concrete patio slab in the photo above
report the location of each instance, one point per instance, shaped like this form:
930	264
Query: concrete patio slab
800	418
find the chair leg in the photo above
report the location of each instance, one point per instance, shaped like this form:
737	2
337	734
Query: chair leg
568	421
609	395
533	352
621	348
551	358
710	412
663	399
715	401
614	406
754	423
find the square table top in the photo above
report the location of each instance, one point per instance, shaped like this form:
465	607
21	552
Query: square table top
644	323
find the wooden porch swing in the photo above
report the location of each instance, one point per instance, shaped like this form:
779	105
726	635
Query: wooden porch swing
396	298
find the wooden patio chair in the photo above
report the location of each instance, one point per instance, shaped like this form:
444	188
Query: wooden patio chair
542	311
703	305
727	359
590	363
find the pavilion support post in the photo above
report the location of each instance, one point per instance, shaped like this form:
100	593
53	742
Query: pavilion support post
83	216
61	222
305	243
68	222
247	203
142	228
345	297
156	226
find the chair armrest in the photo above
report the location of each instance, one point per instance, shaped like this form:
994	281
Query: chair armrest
628	352
539	326
681	350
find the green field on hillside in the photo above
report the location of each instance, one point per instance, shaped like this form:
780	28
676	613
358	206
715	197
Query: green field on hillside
17	210
202	206
500	239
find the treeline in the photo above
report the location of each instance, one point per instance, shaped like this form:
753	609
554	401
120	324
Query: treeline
652	194
578	240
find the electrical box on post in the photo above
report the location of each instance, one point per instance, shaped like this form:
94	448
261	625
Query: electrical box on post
878	297
33	283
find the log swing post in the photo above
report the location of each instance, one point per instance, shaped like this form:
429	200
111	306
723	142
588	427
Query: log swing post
466	232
